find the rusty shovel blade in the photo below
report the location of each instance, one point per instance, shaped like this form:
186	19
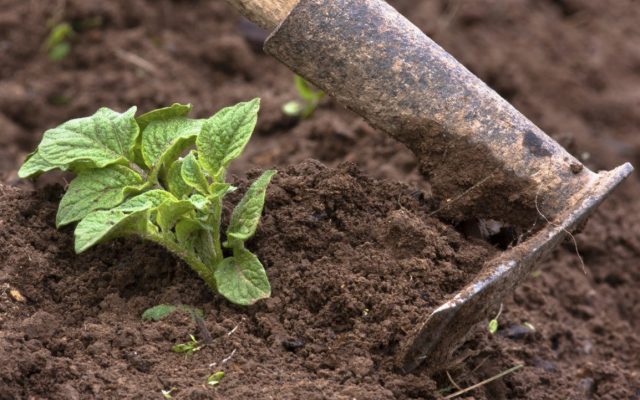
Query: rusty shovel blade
483	158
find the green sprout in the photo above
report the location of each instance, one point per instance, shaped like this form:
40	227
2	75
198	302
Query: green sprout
493	324
309	100
57	44
131	180
187	348
215	378
167	393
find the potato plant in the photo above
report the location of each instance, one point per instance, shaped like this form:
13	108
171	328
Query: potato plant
132	180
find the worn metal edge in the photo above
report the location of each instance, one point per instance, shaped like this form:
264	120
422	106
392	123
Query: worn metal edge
448	325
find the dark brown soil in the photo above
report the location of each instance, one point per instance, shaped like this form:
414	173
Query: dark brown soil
344	253
354	263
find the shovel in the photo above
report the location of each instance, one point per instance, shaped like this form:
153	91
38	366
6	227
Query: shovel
483	158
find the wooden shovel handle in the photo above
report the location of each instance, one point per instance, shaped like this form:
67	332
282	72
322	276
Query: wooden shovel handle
265	13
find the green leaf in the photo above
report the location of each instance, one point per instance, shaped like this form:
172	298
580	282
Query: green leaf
58	34
96	189
143	201
34	165
188	348
164	140
107	137
185	230
130	217
304	89
59	51
493	326
170	211
158	312
241	279
215	378
193	175
164	144
224	135
195	236
159	114
176	184
219	190
172	154
102	225
199	201
246	215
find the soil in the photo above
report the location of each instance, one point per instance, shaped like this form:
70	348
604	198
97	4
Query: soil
354	265
347	247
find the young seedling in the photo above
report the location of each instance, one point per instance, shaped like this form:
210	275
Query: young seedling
215	378
167	393
493	324
188	348
309	100
131	180
57	44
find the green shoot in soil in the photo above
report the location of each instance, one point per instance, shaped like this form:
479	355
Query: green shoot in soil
167	393
493	324
309	100
187	348
57	44
215	378
131	180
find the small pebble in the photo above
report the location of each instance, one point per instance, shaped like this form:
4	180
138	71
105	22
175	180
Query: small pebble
16	295
292	344
516	332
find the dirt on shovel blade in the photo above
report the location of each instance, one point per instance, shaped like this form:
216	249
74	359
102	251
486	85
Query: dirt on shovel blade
352	252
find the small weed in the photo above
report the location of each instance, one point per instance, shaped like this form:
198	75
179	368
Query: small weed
58	45
187	348
308	102
215	378
493	324
167	393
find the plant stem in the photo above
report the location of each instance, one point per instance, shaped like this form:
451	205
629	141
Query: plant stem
138	169
190	258
208	249
217	221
